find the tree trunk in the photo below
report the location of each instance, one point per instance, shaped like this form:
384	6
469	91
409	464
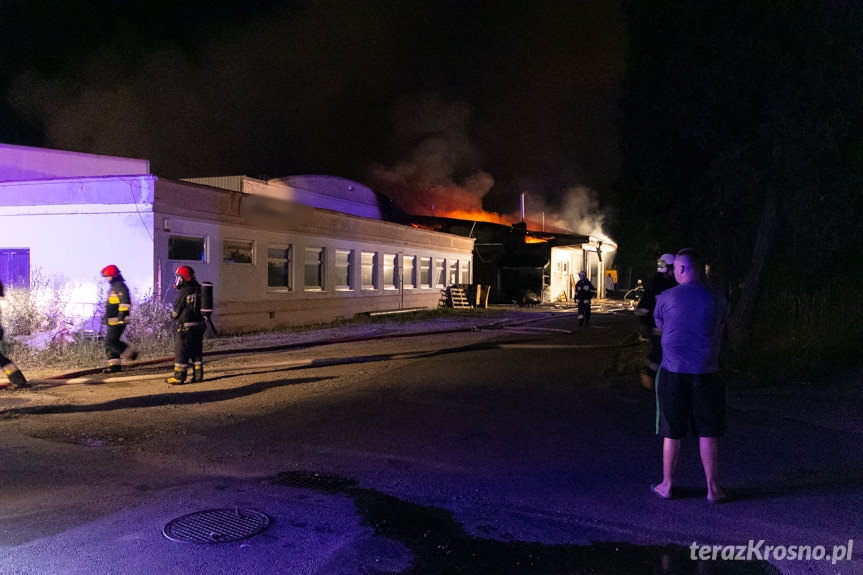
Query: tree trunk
741	316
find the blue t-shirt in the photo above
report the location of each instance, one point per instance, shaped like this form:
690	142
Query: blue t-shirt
691	316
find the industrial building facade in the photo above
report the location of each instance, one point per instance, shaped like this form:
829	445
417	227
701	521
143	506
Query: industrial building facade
527	266
280	252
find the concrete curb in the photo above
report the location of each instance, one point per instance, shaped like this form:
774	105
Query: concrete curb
307	344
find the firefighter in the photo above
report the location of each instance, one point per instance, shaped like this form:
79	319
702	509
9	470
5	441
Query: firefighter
117	315
584	292
16	378
189	344
663	280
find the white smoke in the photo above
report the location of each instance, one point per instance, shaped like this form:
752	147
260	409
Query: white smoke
579	212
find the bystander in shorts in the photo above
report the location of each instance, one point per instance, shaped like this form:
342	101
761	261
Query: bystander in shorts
689	402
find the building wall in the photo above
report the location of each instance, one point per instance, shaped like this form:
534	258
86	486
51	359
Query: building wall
20	163
73	238
566	262
75	226
245	301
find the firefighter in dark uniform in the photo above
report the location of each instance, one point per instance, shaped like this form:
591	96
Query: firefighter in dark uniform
584	292
191	325
16	378
118	310
663	280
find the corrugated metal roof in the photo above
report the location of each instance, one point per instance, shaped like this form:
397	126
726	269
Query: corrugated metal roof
233	183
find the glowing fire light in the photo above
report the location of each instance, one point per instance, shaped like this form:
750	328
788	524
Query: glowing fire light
478	216
552	226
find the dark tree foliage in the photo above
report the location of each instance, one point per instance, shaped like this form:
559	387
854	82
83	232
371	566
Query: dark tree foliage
741	137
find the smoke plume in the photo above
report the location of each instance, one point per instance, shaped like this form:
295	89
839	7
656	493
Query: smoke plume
440	173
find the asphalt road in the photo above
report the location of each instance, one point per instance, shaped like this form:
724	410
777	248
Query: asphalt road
520	450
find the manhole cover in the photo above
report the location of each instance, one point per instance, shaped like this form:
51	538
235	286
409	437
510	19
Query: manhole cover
316	481
216	526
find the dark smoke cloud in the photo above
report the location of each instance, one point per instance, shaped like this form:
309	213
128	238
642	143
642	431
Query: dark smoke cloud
278	91
440	171
524	98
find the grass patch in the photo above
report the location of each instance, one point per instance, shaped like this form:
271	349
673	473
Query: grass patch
152	333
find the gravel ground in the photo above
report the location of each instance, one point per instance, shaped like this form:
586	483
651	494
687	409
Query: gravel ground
363	328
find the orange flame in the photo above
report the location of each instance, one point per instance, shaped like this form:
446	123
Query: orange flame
496	218
475	215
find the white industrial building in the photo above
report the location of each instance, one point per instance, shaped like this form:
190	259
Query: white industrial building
280	252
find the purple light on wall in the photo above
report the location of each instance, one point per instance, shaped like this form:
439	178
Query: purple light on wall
22	163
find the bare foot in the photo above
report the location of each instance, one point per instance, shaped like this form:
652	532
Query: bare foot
661	490
719	495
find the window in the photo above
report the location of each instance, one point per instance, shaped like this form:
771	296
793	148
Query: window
452	278
409	279
464	271
369	270
15	267
279	267
425	272
439	272
344	269
186	248
314	277
390	278
238	252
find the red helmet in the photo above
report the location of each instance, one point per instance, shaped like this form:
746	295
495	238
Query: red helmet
182	275
110	271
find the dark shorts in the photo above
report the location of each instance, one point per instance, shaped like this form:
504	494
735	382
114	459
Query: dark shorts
689	401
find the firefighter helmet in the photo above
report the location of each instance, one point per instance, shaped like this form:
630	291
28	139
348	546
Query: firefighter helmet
110	272
663	262
182	275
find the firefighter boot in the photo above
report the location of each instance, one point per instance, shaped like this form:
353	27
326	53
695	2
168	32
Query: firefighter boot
129	354
198	373
179	377
113	367
16	378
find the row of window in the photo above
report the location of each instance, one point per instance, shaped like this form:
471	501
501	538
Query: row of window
415	271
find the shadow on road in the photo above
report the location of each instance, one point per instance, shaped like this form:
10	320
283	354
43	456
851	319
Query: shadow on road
165	398
440	546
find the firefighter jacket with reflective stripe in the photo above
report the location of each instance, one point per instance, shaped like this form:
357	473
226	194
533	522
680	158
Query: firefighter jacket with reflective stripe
584	290
119	306
187	308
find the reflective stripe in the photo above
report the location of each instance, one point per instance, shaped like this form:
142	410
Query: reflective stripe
10	368
193	324
113	299
181	366
114	361
125	307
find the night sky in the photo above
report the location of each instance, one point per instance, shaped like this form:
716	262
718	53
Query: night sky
473	101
